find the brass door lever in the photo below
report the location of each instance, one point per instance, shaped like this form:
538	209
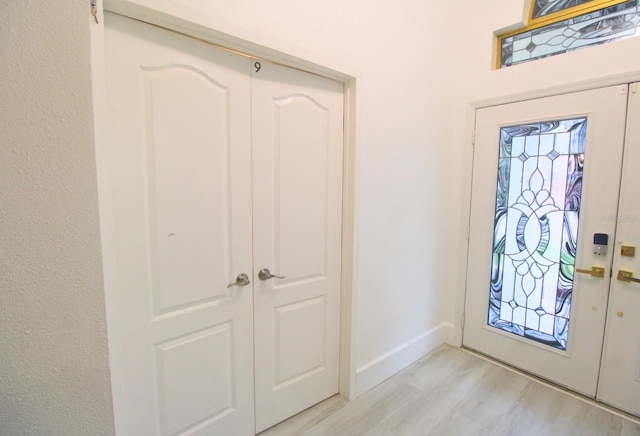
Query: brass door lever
627	276
595	271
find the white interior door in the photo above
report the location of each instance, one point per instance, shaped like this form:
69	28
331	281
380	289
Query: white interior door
620	376
557	164
180	153
297	192
192	132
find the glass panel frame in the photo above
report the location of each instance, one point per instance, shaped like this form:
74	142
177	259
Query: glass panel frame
556	10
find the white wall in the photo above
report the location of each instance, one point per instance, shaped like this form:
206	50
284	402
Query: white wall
478	83
397	53
54	374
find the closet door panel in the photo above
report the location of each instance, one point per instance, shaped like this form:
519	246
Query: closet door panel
188	183
297	191
300	159
180	154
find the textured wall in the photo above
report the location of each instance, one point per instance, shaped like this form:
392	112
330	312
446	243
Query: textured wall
54	374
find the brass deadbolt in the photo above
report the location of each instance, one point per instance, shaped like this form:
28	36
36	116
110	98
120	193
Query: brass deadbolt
628	251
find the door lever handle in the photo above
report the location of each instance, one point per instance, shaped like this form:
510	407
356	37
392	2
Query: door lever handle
265	274
595	271
241	280
627	276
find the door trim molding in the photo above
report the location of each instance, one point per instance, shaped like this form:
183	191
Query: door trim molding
467	162
584	85
256	46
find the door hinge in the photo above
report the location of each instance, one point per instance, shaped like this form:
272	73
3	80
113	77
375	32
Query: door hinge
473	138
468	232
94	10
462	321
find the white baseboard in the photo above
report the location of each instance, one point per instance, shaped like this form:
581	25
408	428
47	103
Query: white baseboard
383	367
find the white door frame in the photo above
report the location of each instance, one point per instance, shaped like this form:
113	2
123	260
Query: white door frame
254	48
467	157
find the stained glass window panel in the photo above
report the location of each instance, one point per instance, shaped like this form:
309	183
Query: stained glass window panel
542	8
538	196
592	28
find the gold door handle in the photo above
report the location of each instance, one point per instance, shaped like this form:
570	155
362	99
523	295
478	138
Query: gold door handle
595	271
627	276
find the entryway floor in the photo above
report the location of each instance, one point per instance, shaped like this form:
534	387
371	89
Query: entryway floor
455	392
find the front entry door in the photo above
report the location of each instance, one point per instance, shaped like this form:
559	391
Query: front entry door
546	175
620	374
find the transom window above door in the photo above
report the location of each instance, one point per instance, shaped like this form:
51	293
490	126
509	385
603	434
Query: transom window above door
559	26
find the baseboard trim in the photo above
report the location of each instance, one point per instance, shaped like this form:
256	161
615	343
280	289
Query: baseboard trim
394	361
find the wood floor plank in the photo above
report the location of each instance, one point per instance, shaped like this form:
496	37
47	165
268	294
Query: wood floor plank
454	392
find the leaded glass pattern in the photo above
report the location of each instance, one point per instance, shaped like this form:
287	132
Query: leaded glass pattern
542	8
536	226
592	28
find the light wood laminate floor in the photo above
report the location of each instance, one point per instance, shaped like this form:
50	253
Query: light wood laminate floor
453	392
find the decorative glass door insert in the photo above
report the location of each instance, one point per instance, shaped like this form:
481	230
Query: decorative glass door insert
538	196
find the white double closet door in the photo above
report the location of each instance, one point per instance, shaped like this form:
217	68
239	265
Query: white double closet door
221	165
551	177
